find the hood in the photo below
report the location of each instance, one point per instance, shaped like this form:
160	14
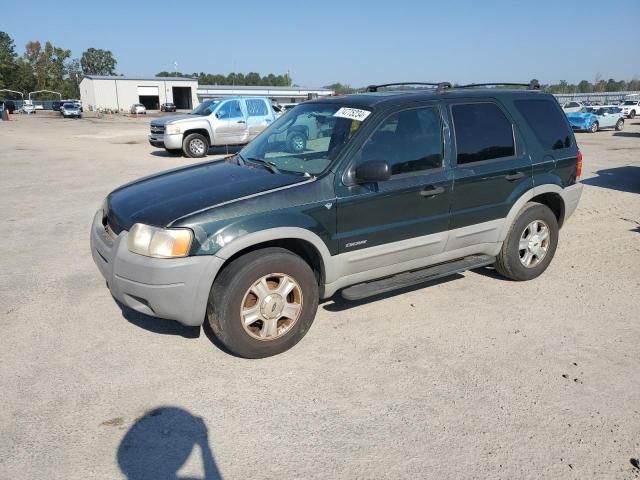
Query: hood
175	118
160	199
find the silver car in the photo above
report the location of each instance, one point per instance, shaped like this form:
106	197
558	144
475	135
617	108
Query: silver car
229	121
71	110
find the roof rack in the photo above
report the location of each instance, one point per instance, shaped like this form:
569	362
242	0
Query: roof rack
439	86
530	85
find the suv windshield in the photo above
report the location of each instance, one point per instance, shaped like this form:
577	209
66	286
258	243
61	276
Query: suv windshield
205	108
308	138
69	105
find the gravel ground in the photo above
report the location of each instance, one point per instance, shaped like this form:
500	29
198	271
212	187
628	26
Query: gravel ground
471	377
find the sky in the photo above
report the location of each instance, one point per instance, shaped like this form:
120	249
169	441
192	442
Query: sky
352	42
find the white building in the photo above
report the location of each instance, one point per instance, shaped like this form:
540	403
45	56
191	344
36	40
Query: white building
122	92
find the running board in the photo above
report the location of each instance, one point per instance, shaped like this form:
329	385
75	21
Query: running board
407	279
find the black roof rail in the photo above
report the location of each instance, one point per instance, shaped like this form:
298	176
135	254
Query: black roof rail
439	86
530	85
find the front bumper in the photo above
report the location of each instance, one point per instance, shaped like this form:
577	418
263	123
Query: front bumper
166	141
176	289
571	196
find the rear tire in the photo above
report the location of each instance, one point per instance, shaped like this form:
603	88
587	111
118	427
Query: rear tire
632	115
247	313
594	127
529	242
619	125
195	145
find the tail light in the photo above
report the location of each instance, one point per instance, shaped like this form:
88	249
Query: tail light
579	166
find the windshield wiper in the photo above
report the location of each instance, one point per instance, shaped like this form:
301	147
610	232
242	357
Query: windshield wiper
272	167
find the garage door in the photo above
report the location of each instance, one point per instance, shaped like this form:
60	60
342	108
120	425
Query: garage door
148	91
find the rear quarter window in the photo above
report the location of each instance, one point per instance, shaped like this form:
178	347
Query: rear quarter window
547	122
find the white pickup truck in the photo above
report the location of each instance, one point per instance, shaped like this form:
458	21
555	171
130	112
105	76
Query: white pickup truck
229	121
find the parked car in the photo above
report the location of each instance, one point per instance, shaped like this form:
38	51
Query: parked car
390	198
167	107
55	106
593	119
28	108
39	106
138	109
71	110
572	106
232	121
631	108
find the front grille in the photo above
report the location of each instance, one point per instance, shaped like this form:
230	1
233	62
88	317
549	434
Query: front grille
158	129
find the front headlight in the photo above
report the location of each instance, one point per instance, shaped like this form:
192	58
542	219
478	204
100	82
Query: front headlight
159	242
172	129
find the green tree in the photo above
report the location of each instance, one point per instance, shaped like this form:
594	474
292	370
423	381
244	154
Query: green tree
95	61
585	86
8	58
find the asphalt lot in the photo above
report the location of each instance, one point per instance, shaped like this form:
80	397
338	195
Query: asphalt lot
470	377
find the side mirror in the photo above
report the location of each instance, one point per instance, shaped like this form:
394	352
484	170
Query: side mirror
373	171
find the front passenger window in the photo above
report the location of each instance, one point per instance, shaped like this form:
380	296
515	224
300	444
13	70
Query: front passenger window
410	141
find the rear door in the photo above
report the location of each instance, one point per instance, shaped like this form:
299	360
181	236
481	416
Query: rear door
231	123
406	217
259	116
492	169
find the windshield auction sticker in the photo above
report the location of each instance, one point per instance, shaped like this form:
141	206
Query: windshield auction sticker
352	114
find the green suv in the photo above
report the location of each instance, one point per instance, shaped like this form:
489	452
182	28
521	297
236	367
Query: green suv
402	187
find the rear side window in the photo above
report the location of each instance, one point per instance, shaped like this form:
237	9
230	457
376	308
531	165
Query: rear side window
547	123
482	132
257	108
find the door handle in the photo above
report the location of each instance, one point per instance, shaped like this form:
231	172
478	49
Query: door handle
514	176
431	191
241	121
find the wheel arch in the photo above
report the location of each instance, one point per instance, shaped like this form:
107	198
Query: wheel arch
201	131
302	242
546	194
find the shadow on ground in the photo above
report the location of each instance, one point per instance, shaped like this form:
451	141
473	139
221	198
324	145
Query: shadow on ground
159	444
627	134
157	325
223	150
623	179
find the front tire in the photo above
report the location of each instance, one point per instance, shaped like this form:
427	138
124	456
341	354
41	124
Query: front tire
594	127
195	145
632	115
296	142
263	303
530	244
619	125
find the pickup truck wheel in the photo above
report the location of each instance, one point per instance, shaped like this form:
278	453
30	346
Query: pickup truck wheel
530	243
296	142
263	303
594	127
619	125
195	145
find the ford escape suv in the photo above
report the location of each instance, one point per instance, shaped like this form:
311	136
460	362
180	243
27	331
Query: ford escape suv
402	187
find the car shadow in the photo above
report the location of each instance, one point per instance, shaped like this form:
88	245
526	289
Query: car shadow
337	303
157	325
160	442
623	179
626	134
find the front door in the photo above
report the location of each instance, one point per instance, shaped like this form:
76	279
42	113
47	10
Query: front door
491	171
230	123
406	217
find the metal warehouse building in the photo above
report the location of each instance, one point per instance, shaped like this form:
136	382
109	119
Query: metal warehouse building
122	92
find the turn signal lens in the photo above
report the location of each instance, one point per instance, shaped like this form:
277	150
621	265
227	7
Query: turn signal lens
579	166
159	242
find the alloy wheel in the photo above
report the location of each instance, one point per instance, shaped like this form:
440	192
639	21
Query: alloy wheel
534	243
